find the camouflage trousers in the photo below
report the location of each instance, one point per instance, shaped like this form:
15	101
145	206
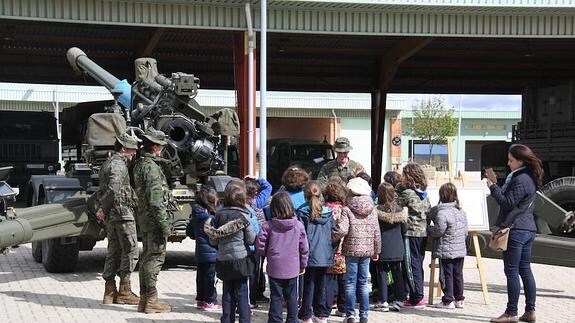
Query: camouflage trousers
152	258
122	253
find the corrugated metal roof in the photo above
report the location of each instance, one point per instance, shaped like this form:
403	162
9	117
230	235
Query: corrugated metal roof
481	18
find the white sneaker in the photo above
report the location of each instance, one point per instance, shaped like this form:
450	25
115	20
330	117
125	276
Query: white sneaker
448	306
395	306
459	304
382	307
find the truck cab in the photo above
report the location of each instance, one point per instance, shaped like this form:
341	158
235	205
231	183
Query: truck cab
282	153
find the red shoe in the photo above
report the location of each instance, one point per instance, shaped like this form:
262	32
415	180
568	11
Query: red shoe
211	307
419	305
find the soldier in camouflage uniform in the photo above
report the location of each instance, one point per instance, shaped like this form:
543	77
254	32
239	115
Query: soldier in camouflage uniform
153	218
117	202
341	166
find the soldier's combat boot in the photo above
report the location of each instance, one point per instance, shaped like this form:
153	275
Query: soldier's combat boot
152	304
125	294
143	298
110	292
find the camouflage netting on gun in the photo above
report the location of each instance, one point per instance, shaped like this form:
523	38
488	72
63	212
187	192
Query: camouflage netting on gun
102	127
225	122
146	68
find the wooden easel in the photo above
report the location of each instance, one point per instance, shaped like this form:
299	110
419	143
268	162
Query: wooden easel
478	265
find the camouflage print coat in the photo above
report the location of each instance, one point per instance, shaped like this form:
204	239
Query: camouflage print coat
153	195
418	205
117	199
333	169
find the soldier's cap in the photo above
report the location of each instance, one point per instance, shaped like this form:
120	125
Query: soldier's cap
342	145
127	141
156	136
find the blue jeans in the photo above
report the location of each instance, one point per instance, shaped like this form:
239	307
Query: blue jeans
313	300
235	297
206	282
283	289
357	269
517	262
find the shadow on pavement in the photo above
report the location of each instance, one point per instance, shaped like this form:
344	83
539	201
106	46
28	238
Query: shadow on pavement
448	314
59	300
502	289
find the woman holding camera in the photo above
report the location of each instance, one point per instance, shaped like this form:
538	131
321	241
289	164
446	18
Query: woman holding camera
516	203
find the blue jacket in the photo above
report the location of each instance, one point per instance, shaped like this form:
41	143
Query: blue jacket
205	252
515	201
263	198
254	224
321	249
297	199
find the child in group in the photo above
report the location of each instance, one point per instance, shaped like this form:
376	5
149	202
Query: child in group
283	241
335	194
231	231
412	194
258	193
449	233
204	209
393	225
392	177
318	222
362	241
293	182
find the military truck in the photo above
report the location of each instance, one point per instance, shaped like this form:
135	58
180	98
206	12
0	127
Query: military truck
282	153
59	222
28	143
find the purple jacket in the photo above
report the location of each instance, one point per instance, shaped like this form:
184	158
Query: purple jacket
284	243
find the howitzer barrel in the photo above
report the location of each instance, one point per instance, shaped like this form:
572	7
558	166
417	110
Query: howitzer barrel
81	63
45	222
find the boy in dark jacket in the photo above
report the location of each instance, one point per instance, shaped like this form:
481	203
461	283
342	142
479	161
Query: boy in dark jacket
231	232
283	241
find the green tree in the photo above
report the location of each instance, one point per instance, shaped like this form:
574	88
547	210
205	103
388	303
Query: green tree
433	122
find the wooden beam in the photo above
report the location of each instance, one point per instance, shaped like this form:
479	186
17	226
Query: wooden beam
389	64
152	42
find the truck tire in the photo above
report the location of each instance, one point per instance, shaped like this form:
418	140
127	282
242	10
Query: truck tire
37	251
58	257
562	192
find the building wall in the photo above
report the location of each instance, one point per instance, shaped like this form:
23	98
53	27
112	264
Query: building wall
473	129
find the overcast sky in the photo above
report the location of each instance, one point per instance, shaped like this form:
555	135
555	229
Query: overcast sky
469	101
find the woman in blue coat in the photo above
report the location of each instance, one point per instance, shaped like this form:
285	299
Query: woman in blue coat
516	198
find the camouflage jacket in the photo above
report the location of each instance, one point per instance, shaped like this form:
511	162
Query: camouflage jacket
153	195
333	169
116	197
417	206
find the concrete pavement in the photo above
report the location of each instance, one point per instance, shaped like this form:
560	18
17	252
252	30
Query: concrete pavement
28	293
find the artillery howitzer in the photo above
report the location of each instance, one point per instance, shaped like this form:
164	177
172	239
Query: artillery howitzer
58	222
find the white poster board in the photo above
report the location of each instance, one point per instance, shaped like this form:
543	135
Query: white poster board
472	201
